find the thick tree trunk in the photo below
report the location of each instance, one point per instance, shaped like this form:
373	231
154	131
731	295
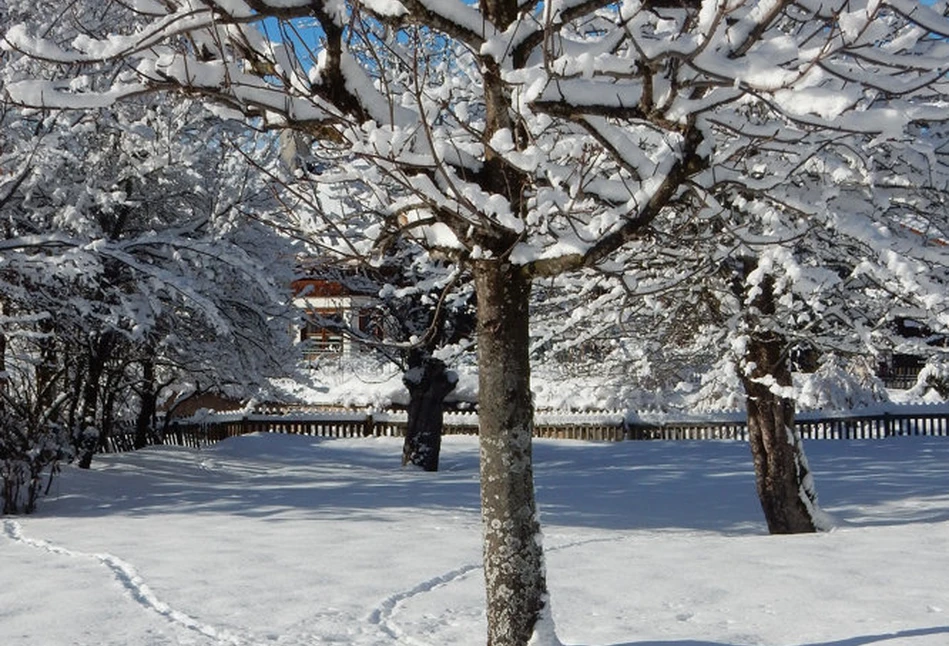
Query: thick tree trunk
428	382
781	473
785	486
513	555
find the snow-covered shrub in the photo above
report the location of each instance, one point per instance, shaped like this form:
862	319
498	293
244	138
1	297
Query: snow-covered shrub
720	389
933	380
840	384
29	459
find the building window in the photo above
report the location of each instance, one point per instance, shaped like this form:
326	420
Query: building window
322	334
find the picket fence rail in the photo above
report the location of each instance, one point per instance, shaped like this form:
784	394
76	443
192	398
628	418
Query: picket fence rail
604	427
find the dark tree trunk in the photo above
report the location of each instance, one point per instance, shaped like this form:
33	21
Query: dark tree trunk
783	479
74	380
148	403
3	369
85	434
429	382
49	370
107	418
89	435
513	555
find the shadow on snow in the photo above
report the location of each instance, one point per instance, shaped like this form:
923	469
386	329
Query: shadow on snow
706	486
863	640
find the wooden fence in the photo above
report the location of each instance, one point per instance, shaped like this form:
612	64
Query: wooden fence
810	426
606	427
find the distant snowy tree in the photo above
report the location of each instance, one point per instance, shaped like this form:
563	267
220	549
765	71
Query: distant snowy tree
644	341
429	308
422	311
419	318
840	384
527	141
934	377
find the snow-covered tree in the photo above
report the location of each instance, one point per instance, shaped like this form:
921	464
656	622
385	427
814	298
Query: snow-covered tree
130	259
818	256
823	257
149	207
530	140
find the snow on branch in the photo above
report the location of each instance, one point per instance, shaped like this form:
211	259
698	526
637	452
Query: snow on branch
551	133
86	49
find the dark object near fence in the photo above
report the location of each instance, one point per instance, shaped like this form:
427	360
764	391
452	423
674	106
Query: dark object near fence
857	427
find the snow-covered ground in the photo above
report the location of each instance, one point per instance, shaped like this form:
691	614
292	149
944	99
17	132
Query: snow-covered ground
292	541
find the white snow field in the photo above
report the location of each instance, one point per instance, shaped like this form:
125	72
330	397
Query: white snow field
289	540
